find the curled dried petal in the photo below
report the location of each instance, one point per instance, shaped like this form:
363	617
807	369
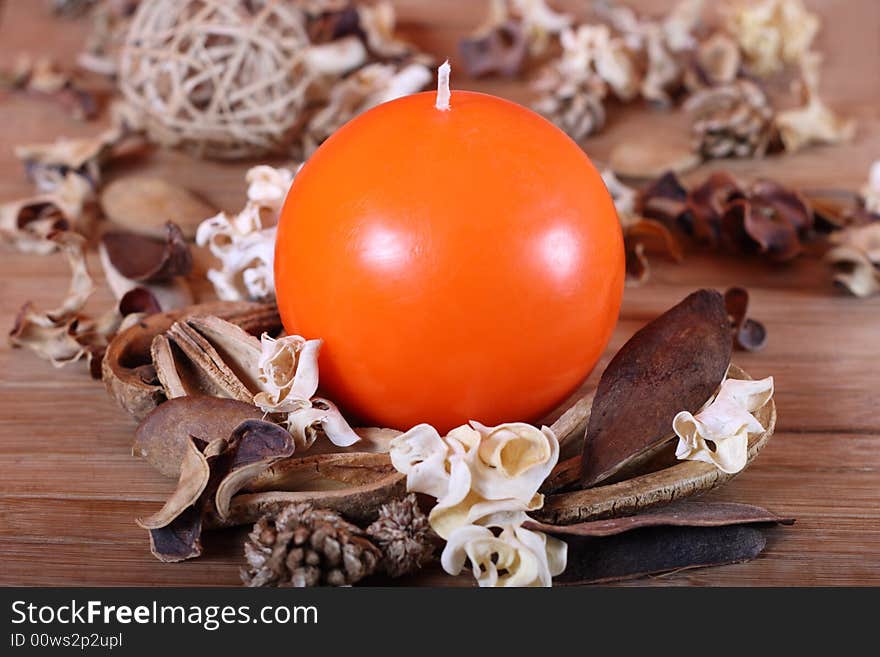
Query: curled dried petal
516	557
815	122
719	433
288	373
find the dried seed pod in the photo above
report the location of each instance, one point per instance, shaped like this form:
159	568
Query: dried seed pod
144	205
664	483
303	546
732	120
162	437
674	363
128	369
404	536
748	334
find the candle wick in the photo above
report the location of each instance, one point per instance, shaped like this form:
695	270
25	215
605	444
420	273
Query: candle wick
443	92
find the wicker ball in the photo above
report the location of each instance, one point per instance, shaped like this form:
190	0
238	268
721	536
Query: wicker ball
218	78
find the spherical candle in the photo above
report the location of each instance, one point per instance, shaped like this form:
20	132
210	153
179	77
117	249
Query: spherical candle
459	256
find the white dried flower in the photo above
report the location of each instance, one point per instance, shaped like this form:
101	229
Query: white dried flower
478	474
773	33
539	22
268	186
815	122
288	380
871	190
515	557
288	373
719	433
245	243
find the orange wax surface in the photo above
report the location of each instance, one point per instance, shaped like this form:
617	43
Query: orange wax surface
460	264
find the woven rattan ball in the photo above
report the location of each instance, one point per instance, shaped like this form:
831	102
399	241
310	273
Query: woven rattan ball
218	78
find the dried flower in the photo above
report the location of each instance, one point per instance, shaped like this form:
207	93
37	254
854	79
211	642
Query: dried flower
815	122
245	244
403	535
484	477
514	557
719	433
288	380
856	259
773	33
364	89
500	45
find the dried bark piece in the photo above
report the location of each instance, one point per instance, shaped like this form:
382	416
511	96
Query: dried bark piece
748	334
496	49
256	445
655	550
162	437
354	484
642	491
128	369
686	513
144	205
674	363
189	364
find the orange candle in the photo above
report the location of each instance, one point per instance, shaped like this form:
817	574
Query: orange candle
460	257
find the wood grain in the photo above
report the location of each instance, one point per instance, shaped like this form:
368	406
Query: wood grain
70	490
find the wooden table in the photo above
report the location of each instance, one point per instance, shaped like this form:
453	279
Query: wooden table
70	489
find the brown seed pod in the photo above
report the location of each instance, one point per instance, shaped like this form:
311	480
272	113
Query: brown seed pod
674	363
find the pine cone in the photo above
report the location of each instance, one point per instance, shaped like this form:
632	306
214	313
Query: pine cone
732	120
303	546
575	106
403	534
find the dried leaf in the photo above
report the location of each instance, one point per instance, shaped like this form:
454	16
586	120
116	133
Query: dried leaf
655	550
748	334
676	362
687	513
161	438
